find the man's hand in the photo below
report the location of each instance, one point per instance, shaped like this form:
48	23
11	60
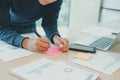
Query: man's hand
37	45
45	2
63	43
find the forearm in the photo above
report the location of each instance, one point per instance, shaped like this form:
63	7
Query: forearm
49	21
10	36
51	31
6	33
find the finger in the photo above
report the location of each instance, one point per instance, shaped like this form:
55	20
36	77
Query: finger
42	44
59	42
64	43
45	45
43	40
40	48
65	47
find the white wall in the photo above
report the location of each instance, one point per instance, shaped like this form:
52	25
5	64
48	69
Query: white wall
84	12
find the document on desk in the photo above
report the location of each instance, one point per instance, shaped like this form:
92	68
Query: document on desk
45	69
101	61
8	52
100	31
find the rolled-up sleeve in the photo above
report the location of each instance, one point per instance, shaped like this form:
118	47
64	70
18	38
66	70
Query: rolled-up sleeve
6	33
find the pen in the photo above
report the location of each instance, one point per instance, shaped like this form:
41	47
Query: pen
37	33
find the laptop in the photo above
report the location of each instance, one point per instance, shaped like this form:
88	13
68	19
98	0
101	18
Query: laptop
99	42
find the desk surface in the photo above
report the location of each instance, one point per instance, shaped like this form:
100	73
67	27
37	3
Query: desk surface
6	67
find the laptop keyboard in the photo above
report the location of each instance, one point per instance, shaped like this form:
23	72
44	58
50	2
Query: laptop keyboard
102	43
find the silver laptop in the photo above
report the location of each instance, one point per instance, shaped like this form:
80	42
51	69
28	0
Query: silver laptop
101	43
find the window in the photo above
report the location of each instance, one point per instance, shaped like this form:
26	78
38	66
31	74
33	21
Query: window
109	12
64	13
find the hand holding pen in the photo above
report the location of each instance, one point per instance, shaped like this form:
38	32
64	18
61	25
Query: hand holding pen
62	43
38	45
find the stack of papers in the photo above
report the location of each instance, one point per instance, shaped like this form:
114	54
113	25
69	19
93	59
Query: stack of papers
101	61
8	52
45	69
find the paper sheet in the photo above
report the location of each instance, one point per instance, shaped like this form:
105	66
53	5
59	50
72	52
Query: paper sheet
8	52
101	61
45	69
100	31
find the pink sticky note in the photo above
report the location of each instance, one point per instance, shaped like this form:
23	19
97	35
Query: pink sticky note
53	51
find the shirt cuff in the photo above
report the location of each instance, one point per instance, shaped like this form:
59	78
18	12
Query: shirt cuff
53	36
18	41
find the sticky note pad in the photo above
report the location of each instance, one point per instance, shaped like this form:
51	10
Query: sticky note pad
53	51
83	56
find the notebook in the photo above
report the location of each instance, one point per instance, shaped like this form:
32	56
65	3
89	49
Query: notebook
99	42
45	69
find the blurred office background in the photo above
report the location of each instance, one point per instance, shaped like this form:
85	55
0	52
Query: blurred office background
63	20
81	13
110	10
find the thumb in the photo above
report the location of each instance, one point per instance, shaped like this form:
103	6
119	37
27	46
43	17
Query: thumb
59	42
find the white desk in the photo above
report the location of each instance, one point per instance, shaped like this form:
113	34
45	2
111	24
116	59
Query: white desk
6	67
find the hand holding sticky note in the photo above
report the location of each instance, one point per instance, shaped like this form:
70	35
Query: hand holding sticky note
53	51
